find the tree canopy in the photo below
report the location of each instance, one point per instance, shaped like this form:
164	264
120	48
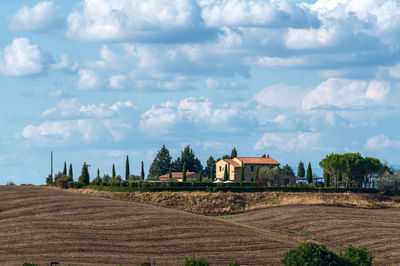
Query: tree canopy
300	170
161	163
187	157
287	169
233	153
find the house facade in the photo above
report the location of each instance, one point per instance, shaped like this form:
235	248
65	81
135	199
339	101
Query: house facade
177	176
250	165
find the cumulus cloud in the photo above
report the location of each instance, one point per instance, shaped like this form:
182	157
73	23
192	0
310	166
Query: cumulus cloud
344	93
65	64
88	79
380	142
225	84
69	120
193	113
279	95
255	13
22	58
289	141
137	20
43	16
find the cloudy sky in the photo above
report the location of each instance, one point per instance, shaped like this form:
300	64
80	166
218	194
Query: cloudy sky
96	80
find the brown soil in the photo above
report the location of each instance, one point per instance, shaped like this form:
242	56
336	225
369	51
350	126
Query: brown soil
378	230
42	225
222	203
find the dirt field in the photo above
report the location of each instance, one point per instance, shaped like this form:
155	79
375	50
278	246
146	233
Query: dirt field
378	230
42	225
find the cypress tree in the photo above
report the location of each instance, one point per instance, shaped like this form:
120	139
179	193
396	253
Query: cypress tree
184	172
327	179
170	174
300	170
200	176
257	174
98	173
84	178
71	173
226	173
233	153
142	172
113	171
127	168
65	169
212	172
242	173
309	174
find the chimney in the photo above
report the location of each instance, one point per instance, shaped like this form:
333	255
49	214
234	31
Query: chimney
267	155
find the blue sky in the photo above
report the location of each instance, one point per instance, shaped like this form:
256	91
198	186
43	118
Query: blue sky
98	80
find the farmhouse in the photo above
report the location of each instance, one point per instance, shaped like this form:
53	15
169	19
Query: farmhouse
250	165
178	176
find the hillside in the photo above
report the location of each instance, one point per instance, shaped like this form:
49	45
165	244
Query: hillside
42	225
378	230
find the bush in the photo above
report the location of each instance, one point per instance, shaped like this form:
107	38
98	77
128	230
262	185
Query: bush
310	254
357	256
124	183
104	183
96	181
61	182
145	263
235	263
10	183
72	184
196	262
29	264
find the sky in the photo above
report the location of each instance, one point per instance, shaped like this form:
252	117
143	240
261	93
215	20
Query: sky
96	80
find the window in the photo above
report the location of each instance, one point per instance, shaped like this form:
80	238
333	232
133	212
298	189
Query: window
286	181
220	168
252	168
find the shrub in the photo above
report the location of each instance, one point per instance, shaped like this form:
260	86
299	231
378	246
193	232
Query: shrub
10	183
96	181
145	263
235	263
310	254
29	264
124	183
196	262
72	184
104	183
61	182
357	256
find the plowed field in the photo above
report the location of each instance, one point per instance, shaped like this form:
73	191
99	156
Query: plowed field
42	225
378	230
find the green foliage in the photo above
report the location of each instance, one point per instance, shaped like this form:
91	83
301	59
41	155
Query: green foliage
142	172
127	171
29	264
201	176
161	163
184	172
49	180
310	254
209	170
96	181
233	153
124	183
389	181
309	174
71	172
357	256
287	169
84	178
116	180
170	174
193	164
113	171
267	175
300	170
226	173
242	173
145	263
196	262
318	255
235	263
65	169
10	183
327	179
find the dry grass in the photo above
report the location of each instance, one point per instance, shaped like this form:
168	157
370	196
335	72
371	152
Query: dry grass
42	225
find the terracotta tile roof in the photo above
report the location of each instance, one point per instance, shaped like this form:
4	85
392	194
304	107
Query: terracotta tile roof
232	162
177	175
258	160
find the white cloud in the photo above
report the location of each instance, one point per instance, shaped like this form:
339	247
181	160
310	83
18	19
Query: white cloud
312	38
88	79
70	121
118	81
225	84
289	141
379	142
74	109
279	95
42	16
267	61
345	93
22	58
65	64
193	113
219	13
139	20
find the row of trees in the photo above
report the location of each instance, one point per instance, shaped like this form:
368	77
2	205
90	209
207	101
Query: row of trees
351	169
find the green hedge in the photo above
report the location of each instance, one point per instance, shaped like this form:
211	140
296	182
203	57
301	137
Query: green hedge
231	188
